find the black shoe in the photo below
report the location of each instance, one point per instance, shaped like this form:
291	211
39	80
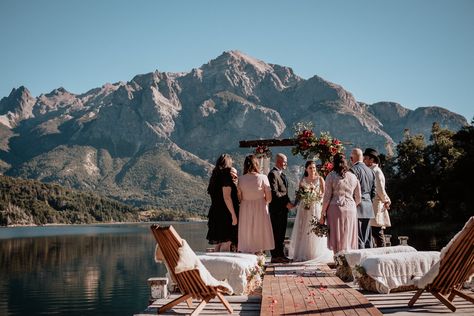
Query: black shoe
286	260
277	260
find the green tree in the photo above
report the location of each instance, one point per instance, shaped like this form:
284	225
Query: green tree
429	182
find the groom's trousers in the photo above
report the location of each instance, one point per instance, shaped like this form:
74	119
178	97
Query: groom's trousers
279	220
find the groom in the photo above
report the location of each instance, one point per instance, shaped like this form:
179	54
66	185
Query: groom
279	207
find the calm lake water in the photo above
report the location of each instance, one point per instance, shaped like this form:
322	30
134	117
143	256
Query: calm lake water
98	269
81	270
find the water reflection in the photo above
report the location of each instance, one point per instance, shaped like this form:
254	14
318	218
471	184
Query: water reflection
425	238
99	273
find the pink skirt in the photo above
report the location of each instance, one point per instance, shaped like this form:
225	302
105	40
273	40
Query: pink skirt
255	227
342	223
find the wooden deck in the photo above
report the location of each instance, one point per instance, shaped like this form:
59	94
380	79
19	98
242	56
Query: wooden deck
396	304
310	290
315	290
242	305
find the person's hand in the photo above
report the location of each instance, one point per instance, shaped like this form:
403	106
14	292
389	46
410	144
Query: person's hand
387	205
322	219
289	206
234	220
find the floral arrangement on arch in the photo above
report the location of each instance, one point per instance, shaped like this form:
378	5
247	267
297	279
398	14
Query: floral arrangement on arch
263	151
322	147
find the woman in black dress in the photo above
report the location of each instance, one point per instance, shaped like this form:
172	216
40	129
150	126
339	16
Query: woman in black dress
222	217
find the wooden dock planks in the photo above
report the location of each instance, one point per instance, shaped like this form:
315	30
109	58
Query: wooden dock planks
310	290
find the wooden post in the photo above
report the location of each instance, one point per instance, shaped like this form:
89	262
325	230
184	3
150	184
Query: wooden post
158	288
268	142
403	240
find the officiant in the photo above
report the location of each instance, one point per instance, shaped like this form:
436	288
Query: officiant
381	201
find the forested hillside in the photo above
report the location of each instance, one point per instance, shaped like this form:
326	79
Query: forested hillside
29	202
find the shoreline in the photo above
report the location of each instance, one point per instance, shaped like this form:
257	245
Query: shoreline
191	220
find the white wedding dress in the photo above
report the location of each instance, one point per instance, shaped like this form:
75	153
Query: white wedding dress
304	244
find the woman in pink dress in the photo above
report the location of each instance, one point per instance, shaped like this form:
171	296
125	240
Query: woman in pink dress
255	227
340	199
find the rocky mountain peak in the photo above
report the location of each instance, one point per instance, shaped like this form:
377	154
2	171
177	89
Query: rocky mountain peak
316	89
16	97
57	99
16	107
388	111
239	74
235	57
58	91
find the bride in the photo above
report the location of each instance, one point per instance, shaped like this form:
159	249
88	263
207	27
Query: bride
304	244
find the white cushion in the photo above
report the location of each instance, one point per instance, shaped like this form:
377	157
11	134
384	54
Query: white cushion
235	268
399	269
355	257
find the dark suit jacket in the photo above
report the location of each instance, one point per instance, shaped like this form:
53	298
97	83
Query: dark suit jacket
366	177
279	191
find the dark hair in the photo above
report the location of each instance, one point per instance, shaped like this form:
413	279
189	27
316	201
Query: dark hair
308	163
251	164
223	164
340	164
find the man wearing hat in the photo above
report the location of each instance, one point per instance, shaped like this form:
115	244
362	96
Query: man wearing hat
365	210
381	201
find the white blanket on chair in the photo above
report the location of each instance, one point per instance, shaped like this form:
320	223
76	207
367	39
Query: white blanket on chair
393	270
189	261
236	268
356	256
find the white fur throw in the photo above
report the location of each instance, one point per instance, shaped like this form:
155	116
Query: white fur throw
355	257
189	261
236	268
394	270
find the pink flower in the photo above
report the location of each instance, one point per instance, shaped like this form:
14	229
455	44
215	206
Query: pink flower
328	166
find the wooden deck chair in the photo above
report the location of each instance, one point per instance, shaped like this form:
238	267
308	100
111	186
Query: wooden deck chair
455	267
189	282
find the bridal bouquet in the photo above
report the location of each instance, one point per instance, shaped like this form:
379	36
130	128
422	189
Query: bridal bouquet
320	230
308	195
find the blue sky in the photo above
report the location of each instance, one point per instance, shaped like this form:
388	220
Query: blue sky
414	52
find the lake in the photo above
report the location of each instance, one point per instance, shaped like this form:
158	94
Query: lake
81	269
98	269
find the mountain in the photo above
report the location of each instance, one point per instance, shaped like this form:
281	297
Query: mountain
153	140
395	119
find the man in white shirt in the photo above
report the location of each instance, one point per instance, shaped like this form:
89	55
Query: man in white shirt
381	201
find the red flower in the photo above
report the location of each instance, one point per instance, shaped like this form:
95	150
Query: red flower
336	141
333	150
307	133
328	166
323	141
304	145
